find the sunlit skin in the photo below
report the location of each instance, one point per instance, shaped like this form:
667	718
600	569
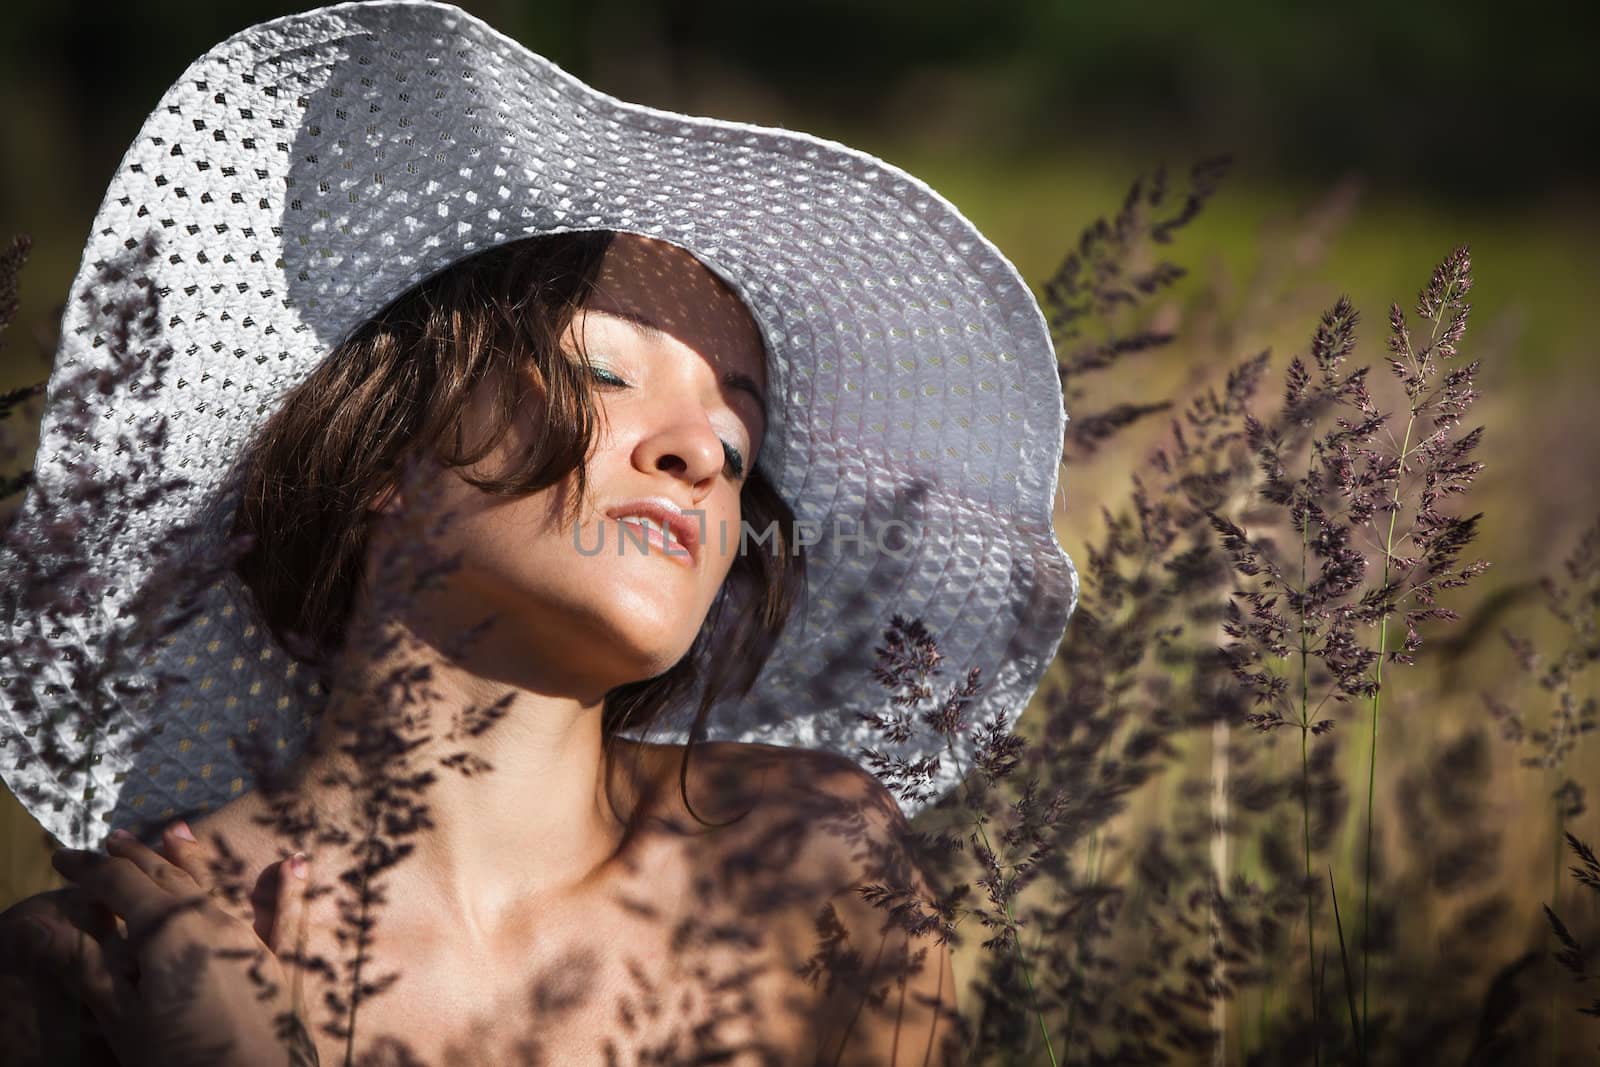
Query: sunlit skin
565	626
537	871
661	335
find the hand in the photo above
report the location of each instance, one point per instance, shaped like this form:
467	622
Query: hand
218	872
189	984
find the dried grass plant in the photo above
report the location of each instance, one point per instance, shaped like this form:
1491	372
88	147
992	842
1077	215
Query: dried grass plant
1246	586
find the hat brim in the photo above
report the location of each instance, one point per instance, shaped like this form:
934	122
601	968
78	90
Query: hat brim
304	173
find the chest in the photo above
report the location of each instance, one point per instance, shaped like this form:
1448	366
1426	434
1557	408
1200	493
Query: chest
630	981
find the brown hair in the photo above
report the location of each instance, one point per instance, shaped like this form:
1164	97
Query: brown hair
398	388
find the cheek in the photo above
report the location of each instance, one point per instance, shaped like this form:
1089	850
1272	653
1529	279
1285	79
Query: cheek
724	533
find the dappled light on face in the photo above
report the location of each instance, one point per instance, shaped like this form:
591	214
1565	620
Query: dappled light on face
661	288
667	287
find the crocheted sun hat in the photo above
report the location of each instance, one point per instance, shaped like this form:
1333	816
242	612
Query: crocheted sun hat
304	173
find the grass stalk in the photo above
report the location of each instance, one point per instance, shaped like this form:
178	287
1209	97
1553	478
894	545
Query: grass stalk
1305	799
1344	962
1377	695
362	926
1011	919
1022	961
1219	863
1555	902
1091	867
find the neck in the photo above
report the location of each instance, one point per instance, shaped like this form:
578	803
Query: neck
499	790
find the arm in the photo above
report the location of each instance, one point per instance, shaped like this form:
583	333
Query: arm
41	1022
186	983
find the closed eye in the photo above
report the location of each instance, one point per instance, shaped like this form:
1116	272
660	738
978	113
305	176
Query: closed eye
734	458
604	376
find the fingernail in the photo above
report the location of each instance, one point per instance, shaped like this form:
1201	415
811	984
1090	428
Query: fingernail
298	865
120	835
181	831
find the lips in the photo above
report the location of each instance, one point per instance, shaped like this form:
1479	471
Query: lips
685	533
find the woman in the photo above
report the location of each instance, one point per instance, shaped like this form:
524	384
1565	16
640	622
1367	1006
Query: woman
428	478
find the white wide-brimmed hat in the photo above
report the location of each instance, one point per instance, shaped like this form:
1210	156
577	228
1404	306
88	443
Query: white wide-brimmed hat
304	173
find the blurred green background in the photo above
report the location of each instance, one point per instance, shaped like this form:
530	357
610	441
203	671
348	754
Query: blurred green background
1462	124
1368	139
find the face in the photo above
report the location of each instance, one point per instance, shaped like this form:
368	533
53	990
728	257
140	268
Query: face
678	376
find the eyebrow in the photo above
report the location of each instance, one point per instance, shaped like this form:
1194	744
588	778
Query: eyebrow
732	379
738	380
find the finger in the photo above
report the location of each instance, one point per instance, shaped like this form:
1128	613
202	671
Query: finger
179	846
290	934
289	914
88	914
200	862
166	875
158	868
123	887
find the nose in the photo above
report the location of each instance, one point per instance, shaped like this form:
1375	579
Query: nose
686	446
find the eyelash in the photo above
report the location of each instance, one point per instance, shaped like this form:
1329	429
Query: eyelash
735	458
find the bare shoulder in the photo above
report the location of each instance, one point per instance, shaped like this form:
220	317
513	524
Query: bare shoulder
836	816
819	832
784	775
778	824
802	859
826	839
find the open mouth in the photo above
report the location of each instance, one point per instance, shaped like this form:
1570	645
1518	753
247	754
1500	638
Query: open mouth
659	528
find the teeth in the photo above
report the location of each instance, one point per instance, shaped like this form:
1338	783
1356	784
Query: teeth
651	524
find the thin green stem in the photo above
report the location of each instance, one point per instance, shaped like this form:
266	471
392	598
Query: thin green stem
1377	679
1011	919
1022	961
1372	754
861	1003
1344	962
1311	935
1090	866
1555	867
1305	795
361	942
1555	902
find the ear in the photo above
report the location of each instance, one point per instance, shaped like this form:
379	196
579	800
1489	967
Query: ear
388	502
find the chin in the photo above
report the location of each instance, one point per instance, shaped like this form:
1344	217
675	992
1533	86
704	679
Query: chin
627	638
648	653
654	623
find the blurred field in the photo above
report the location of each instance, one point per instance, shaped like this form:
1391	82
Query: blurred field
1266	260
1538	386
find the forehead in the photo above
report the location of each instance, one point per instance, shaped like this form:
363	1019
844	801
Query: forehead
668	288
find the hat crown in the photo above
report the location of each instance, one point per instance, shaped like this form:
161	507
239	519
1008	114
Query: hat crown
303	174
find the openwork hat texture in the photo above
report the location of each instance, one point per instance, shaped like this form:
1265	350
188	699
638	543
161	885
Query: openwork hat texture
304	173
